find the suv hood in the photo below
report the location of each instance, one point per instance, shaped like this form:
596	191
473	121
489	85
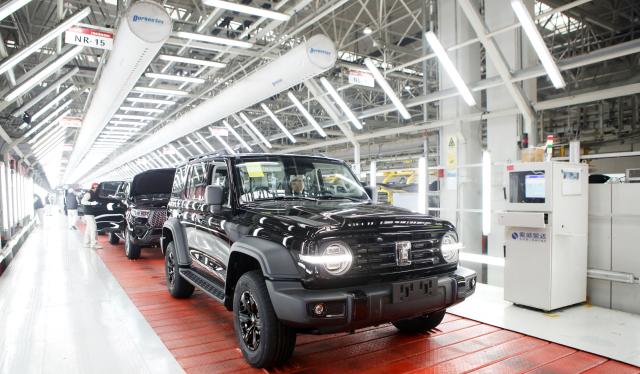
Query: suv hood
342	214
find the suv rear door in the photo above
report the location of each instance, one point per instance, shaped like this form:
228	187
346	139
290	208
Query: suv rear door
110	210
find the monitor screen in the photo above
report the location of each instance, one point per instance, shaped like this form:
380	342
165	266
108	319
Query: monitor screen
534	186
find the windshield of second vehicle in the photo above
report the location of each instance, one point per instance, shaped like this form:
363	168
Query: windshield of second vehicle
297	178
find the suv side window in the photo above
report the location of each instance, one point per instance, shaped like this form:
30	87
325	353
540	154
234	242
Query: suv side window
197	181
177	191
220	177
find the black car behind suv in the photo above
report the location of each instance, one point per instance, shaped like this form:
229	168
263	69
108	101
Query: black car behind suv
294	244
147	198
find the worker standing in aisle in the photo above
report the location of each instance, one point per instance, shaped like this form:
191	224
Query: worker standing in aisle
38	208
90	231
71	208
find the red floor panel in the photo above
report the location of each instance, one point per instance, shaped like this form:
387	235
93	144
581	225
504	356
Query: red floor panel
199	333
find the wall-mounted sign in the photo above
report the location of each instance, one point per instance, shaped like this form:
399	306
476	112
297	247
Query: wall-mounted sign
71	122
219	131
361	77
89	37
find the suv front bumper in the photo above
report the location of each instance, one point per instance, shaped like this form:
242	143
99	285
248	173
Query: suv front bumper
361	306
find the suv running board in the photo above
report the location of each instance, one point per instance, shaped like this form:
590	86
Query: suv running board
203	283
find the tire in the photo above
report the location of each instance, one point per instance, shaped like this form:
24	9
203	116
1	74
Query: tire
178	287
113	238
131	250
420	324
275	341
101	233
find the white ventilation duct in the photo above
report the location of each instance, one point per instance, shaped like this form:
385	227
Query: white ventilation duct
313	57
140	34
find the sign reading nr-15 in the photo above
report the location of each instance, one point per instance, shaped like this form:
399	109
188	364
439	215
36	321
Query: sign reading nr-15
89	37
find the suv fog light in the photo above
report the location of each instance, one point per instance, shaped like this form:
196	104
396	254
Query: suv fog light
473	282
450	247
319	309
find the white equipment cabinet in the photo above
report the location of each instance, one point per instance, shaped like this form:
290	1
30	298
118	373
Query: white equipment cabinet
546	226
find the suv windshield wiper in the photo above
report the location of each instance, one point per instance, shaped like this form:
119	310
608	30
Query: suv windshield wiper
287	198
331	197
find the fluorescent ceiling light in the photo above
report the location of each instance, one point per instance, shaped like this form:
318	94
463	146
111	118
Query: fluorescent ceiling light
44	141
260	12
132	123
225	144
345	108
255	130
193	143
53	102
43	74
212	39
387	89
176	78
205	142
160	91
235	134
450	68
10	7
140	109
193	61
278	123
25	52
134	116
49	117
306	114
44	93
150	101
538	44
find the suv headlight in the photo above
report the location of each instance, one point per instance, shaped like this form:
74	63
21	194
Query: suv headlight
140	213
450	247
336	258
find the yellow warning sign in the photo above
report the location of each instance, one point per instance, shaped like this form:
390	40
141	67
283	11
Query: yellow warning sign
254	169
452	153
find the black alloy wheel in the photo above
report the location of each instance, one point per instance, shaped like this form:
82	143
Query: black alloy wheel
249	319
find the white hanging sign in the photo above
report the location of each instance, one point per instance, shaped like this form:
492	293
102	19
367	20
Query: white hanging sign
361	77
70	122
89	37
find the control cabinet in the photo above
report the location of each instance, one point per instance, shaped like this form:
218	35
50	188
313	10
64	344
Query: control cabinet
546	227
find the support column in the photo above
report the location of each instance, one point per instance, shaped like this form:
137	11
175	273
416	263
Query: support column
461	188
503	133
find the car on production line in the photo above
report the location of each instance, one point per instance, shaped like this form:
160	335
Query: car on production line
146	198
110	210
294	244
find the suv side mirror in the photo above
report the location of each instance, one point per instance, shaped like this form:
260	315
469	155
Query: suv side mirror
213	195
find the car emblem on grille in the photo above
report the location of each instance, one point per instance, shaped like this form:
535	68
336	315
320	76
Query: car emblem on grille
403	253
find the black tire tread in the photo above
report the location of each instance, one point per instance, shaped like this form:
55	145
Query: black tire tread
134	250
285	337
113	238
181	288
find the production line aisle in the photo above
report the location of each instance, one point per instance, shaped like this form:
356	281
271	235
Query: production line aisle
62	310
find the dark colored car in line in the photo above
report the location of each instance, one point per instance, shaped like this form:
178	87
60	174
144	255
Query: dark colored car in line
147	198
294	244
110	210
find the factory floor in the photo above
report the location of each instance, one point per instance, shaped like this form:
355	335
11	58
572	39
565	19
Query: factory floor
69	309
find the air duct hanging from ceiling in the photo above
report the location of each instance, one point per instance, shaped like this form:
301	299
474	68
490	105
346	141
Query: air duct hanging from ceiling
140	34
311	58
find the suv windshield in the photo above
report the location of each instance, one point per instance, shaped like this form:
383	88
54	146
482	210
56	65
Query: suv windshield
303	178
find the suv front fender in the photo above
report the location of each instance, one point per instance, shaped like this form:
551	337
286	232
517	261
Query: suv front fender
178	237
275	260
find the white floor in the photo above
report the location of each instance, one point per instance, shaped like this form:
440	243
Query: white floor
61	311
593	329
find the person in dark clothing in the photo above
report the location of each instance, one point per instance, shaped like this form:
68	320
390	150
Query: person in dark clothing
71	204
38	208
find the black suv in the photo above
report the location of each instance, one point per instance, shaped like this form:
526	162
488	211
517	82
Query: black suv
294	244
147	198
109	212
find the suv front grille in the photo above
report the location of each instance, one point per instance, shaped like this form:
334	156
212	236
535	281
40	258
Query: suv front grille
157	218
377	254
